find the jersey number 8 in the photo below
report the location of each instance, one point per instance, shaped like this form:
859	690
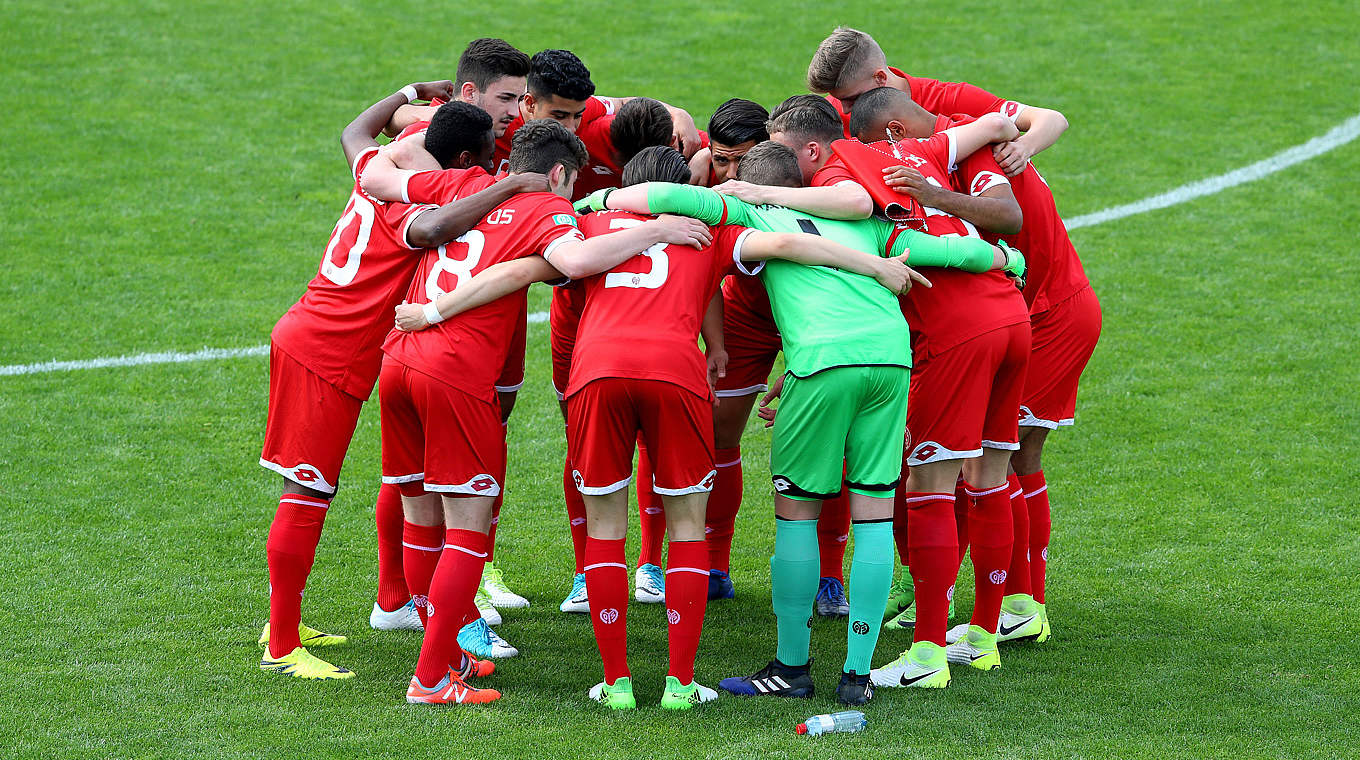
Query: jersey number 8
461	269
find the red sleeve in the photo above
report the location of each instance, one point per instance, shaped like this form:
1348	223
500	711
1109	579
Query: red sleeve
445	185
595	135
361	160
726	246
551	221
938	147
833	172
979	173
961	98
596	107
414	129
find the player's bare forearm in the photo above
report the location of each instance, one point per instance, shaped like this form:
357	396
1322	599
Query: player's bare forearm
996	210
362	133
1042	127
989	128
437	227
847	200
490	284
712	327
579	259
815	250
406	116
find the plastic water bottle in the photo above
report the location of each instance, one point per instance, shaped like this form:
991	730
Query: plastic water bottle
846	722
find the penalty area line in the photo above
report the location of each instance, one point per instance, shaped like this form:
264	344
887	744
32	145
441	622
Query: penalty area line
1339	135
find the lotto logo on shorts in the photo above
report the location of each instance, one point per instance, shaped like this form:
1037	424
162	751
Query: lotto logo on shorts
781	484
609	615
997	577
925	453
708	481
484	483
577	479
673	616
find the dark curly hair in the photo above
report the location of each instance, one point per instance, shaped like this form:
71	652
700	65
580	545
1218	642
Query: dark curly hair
560	73
456	127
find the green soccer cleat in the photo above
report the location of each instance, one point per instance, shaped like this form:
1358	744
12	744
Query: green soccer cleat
300	663
899	596
679	696
310	637
977	649
488	611
924	666
615	696
1021	620
906	619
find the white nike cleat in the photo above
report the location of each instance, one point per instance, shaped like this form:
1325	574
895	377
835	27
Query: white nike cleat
650	584
957	632
977	649
403	618
493	583
577	600
924	666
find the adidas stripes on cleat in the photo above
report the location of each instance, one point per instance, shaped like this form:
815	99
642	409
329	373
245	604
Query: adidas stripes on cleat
680	696
615	696
478	639
577	600
924	666
854	689
773	680
451	690
403	618
977	649
310	637
493	583
649	584
300	663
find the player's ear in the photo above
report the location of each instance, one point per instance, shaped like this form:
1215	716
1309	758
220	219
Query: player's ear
897	130
526	103
465	160
469	93
880	77
814	151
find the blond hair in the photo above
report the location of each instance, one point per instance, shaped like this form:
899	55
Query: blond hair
842	57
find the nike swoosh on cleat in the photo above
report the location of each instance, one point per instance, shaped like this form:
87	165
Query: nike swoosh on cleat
1004	631
908	682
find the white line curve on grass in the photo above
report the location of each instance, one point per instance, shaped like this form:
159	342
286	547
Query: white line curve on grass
1339	135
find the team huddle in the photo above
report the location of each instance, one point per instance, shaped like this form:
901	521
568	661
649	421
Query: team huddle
889	236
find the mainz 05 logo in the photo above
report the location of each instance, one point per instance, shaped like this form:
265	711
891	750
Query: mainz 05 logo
673	616
860	627
998	577
609	615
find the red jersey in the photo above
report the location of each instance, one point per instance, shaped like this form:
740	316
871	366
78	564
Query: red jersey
469	350
1054	269
596	107
947	97
671	287
961	305
337	327
603	169
833	172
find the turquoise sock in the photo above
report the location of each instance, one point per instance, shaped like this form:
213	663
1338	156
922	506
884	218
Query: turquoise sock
793	585
871	571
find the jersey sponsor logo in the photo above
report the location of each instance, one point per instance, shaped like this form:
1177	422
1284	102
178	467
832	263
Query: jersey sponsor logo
609	615
997	577
672	616
564	219
501	216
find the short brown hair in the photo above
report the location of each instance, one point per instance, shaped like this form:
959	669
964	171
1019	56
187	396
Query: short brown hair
541	144
770	163
807	118
842	56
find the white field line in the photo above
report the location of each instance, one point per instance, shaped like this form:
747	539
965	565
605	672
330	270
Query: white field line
1343	133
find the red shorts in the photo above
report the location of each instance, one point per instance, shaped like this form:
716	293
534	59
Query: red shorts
603	422
966	397
1065	336
310	424
752	343
564	316
432	432
512	374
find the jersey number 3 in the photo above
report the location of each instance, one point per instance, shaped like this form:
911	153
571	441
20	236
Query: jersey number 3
652	279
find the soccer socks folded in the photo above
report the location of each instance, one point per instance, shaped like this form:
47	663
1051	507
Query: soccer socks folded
871	571
989	523
455	581
576	516
686	600
1040	526
1018	575
833	531
421	546
392	591
607	586
793	586
651	517
290	552
932	557
724	501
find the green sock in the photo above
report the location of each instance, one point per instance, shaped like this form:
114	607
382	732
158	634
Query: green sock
871	571
794	569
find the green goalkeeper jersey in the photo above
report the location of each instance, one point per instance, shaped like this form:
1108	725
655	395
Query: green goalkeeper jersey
828	317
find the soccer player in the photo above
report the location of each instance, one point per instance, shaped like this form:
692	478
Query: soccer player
849	63
442	437
971	347
736	126
1065	321
324	353
848	357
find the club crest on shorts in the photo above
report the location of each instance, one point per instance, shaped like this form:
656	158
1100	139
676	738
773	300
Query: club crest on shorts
609	615
673	616
997	577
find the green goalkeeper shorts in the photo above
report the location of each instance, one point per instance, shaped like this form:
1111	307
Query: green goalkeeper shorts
851	417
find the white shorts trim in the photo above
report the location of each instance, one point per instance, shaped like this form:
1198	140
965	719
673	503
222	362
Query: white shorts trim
1003	445
738	392
510	388
317	483
938	454
467	488
399	479
602	490
703	486
1027	419
560	395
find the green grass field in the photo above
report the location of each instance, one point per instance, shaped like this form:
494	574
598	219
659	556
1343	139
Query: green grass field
173	171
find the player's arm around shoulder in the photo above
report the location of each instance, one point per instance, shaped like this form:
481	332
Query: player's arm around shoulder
844	200
582	258
438	226
815	250
490	284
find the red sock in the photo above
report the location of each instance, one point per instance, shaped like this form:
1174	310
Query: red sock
962	503
455	581
608	588
833	530
990	523
576	516
392	591
932	551
686	599
650	514
421	547
1040	526
290	551
1017	576
723	503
